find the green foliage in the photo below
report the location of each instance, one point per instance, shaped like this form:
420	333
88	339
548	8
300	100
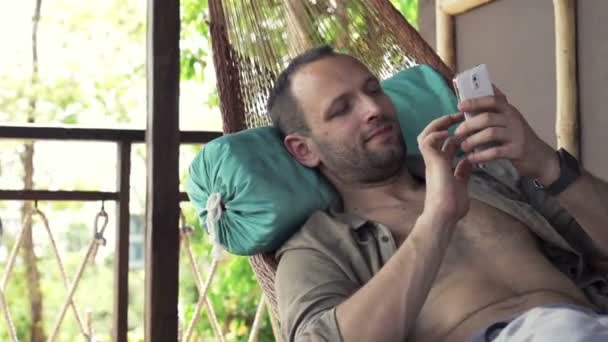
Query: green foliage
16	292
409	9
194	39
100	47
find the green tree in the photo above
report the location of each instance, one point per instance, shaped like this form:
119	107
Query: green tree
409	9
87	67
101	81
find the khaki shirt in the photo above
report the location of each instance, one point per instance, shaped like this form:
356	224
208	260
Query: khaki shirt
334	254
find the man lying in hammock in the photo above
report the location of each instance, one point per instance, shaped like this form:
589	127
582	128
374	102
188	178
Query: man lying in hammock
435	253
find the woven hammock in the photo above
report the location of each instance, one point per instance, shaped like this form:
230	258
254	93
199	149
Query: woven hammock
253	40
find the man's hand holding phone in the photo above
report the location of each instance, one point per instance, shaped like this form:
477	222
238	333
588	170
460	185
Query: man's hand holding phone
494	129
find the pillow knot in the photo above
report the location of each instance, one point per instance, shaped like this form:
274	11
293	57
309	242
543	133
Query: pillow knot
214	213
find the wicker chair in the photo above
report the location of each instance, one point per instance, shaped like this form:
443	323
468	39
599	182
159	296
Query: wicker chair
252	43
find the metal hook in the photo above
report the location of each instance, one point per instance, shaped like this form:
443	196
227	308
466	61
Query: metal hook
184	227
99	231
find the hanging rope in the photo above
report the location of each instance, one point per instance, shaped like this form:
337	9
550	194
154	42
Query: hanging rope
11	262
7	272
7	317
64	277
274	323
97	241
202	287
257	321
89	316
214	211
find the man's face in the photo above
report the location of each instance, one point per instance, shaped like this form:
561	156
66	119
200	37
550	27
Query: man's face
354	132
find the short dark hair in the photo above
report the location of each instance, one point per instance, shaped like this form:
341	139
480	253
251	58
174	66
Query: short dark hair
282	105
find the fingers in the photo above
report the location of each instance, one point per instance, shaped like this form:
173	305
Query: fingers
463	170
484	137
441	124
450	147
499	92
433	140
489	154
480	122
496	103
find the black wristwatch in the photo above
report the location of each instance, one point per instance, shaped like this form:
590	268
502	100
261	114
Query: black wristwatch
569	171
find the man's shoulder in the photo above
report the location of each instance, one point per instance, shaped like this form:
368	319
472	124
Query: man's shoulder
319	231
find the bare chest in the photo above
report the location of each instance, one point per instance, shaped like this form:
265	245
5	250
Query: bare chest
484	227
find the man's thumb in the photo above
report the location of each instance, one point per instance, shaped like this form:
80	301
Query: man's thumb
463	171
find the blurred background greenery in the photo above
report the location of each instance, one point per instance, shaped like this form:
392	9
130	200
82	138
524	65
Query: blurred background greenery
89	70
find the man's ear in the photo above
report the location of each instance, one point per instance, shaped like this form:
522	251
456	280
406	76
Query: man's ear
301	149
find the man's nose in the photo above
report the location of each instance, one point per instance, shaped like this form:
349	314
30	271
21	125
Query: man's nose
370	108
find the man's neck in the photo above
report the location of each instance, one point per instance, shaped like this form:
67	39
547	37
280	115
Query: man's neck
398	189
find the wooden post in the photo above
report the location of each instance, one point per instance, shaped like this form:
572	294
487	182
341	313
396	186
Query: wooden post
444	27
121	250
567	121
162	145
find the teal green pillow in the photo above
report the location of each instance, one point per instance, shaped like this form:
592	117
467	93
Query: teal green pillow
420	95
267	195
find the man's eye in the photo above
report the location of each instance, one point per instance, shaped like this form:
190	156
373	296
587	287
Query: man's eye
340	109
374	89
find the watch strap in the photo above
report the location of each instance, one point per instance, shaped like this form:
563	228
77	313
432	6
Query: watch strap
569	171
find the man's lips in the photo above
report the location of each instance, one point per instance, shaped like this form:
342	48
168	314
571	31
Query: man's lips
386	128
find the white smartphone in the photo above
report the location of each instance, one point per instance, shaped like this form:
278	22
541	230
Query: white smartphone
474	83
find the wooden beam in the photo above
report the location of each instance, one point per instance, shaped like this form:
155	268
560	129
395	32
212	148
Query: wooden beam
162	143
198	137
456	7
567	121
121	249
183	197
445	10
33	132
45	195
62	195
444	28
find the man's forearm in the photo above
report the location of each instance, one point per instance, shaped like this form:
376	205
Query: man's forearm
386	308
587	201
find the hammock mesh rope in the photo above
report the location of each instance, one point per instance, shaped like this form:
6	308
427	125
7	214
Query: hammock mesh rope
253	40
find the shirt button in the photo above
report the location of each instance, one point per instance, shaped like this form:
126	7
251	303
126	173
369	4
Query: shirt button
384	238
